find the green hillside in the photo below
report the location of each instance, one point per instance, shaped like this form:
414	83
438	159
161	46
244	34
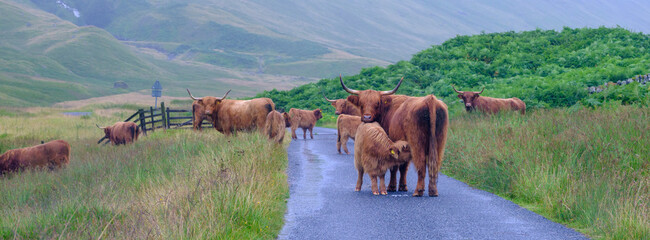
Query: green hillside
543	68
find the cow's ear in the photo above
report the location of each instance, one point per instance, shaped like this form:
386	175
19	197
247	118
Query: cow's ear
217	102
354	99
460	96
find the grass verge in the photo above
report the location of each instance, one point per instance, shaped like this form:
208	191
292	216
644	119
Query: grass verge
588	169
169	185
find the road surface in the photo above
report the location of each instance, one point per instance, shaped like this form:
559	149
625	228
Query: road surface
324	205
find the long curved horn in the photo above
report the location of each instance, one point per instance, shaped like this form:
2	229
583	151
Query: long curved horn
332	101
452	86
352	91
481	91
394	89
99	126
224	96
193	98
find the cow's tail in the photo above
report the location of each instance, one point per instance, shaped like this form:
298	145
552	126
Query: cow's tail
439	122
135	132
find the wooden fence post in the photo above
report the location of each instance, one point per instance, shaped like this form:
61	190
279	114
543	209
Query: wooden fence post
164	115
153	127
143	122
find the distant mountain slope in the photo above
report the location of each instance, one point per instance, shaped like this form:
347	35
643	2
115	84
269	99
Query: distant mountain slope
44	60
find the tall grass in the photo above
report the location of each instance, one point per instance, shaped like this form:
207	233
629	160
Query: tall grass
588	169
171	184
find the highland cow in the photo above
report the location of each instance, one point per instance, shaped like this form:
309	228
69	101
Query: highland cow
275	126
229	116
421	121
346	127
121	132
305	119
375	153
51	155
490	105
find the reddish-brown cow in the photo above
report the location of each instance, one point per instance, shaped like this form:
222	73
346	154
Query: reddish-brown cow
275	126
346	127
490	105
374	153
421	121
121	132
51	155
202	108
342	106
229	116
305	119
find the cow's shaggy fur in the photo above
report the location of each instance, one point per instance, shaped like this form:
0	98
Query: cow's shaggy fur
375	153
50	155
275	126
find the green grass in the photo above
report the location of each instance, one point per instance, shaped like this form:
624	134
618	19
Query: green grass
171	184
588	169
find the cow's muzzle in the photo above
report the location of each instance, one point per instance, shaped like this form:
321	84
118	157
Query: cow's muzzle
337	113
367	118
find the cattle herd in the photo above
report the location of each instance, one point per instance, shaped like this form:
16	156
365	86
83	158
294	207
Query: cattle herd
390	131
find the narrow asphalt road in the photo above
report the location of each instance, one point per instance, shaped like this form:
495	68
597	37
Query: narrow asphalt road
324	205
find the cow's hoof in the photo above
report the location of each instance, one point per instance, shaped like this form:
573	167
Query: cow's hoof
392	189
375	193
346	152
403	188
357	189
433	193
418	193
384	193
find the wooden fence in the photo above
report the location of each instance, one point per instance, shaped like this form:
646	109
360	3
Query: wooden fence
149	120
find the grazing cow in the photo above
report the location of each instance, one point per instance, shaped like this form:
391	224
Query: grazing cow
202	108
374	153
229	116
346	127
342	106
421	121
275	126
305	119
490	105
121	132
51	155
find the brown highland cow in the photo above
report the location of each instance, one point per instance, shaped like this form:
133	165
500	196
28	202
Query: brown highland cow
342	106
375	153
421	121
346	127
51	155
275	126
229	116
305	119
490	105
121	132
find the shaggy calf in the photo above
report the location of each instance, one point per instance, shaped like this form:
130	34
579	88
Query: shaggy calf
346	127
51	155
121	132
305	119
375	153
275	126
